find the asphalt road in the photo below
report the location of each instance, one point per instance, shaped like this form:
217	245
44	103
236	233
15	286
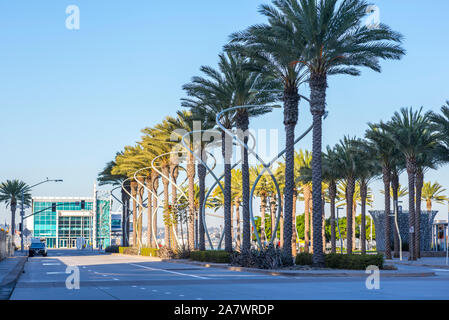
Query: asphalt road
104	277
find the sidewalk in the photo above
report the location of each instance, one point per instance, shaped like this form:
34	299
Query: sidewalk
436	262
10	270
401	272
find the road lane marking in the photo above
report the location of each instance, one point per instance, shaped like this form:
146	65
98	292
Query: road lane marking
174	272
51	264
56	272
441	270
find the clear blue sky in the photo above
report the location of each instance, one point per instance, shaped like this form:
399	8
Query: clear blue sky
71	99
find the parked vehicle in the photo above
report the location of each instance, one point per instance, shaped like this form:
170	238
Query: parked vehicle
37	248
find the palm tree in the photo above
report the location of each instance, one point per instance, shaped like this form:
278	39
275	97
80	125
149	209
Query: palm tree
331	40
412	134
265	44
303	160
11	195
433	192
367	169
106	177
233	85
384	147
348	159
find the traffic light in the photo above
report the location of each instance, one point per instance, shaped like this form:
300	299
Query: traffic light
53	207
83	204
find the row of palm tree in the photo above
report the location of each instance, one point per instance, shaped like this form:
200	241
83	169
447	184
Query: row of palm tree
302	42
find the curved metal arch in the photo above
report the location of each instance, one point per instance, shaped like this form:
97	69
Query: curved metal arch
118	200
217	182
230	133
265	165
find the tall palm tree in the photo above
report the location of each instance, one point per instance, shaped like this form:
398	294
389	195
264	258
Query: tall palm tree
11	195
384	147
348	158
303	160
233	84
331	174
265	44
333	40
412	134
367	169
433	192
106	177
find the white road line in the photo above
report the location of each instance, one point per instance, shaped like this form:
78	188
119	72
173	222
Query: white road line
178	273
56	272
51	264
115	279
441	270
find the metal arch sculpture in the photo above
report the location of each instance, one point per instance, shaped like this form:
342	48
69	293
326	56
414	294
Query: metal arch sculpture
135	199
119	201
217	182
182	193
265	165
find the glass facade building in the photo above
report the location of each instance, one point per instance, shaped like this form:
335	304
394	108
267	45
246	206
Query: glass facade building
63	220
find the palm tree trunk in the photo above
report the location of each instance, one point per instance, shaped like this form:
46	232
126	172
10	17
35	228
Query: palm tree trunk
165	182
125	217
174	169
323	224
13	219
386	175
429	205
419	186
140	220
263	200
332	195
237	218
149	184
226	149
411	171
363	196
306	192
350	186
202	187
291	101
273	216
295	198
191	195
395	188
134	194
242	122
318	85
155	178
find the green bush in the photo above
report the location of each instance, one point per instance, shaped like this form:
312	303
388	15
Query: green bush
210	256
129	250
112	249
345	261
149	252
304	259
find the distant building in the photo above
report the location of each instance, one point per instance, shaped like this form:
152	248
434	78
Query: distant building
62	220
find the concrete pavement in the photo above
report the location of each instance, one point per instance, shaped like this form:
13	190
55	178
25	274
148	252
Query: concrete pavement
10	270
105	277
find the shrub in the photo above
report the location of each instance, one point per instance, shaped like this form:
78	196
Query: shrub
149	252
129	250
345	261
210	256
304	259
268	258
112	249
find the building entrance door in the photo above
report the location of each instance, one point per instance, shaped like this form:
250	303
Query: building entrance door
62	243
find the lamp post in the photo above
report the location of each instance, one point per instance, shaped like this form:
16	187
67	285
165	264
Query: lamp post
22	209
338	228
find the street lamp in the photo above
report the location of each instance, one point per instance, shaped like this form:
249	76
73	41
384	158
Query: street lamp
338	228
22	209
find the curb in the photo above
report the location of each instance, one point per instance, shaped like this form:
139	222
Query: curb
9	282
300	274
423	265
